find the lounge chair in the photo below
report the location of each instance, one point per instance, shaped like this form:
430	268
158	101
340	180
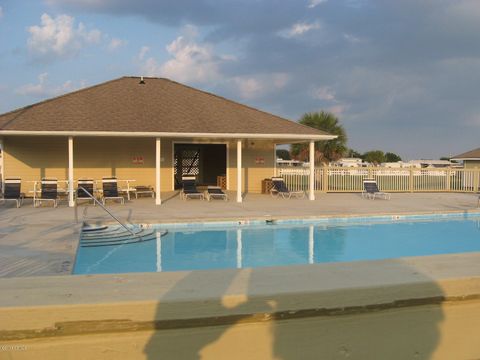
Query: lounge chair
12	191
110	190
86	184
216	192
279	188
371	190
144	190
189	189
49	192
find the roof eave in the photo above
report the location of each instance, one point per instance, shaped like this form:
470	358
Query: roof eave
305	137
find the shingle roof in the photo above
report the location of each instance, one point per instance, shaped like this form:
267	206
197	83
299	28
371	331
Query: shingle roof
159	105
472	154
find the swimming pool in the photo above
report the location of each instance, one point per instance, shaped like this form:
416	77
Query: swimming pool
281	243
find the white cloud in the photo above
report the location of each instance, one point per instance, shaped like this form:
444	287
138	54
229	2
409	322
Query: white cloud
338	109
1	12
116	44
191	61
59	38
314	3
44	89
259	85
326	93
143	51
323	93
464	9
299	29
352	38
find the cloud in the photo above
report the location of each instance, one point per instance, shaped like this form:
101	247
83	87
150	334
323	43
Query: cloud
259	85
43	89
115	44
323	93
228	17
299	29
191	61
314	3
1	12
403	68
58	37
143	51
338	110
352	38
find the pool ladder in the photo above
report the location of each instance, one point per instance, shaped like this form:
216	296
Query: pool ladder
95	236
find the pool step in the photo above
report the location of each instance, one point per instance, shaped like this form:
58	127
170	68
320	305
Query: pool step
117	236
113	233
122	236
90	228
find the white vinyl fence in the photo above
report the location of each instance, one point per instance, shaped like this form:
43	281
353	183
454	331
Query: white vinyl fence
341	179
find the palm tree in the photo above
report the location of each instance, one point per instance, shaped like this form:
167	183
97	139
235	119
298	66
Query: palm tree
327	150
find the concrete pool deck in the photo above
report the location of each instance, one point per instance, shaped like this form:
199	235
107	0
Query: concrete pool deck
408	308
43	241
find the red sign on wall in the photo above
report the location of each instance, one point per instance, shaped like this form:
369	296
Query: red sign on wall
137	160
259	160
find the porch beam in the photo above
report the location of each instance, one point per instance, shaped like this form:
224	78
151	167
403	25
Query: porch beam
311	183
158	200
239	171
71	201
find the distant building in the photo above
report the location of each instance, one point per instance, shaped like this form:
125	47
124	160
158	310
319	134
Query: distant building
290	163
471	159
349	162
423	163
397	165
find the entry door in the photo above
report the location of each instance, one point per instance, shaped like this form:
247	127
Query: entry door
186	162
204	161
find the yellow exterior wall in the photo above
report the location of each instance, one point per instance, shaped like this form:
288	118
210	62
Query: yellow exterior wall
471	164
253	172
32	158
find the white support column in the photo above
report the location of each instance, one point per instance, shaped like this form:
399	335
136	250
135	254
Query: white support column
311	192
71	202
158	154
239	171
2	164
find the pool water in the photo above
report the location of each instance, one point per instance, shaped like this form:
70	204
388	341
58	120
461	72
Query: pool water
247	246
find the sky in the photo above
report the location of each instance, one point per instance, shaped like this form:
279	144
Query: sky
402	76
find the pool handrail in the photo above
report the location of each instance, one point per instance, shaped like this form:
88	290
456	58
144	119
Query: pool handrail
109	213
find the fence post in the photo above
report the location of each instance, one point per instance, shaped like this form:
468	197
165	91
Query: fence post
410	182
448	185
325	179
475	179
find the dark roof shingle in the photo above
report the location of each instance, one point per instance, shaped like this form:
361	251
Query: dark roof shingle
159	105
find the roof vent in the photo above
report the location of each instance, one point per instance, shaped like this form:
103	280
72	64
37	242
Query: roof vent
142	82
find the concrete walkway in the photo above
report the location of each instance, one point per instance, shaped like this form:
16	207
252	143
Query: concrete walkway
43	241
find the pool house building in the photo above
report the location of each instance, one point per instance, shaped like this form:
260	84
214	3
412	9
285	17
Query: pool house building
149	130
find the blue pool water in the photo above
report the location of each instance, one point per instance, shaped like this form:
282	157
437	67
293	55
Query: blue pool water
190	248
